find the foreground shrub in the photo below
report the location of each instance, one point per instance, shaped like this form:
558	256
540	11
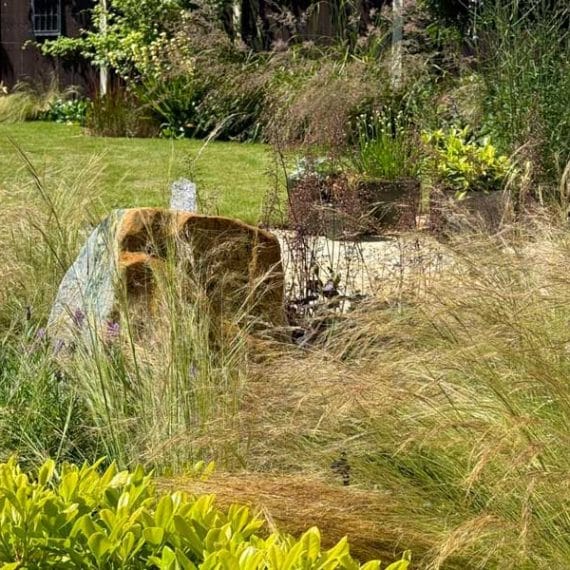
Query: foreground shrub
462	164
80	518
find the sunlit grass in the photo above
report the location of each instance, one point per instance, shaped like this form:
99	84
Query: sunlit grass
138	172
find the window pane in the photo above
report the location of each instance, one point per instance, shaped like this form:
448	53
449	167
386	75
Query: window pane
46	17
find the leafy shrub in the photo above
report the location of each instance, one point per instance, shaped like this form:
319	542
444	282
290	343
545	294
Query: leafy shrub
461	163
171	103
66	111
179	65
230	100
76	517
227	82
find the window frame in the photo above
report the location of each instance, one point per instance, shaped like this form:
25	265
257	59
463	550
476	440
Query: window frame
47	21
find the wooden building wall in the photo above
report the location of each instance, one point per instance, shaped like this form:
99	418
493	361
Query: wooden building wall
19	62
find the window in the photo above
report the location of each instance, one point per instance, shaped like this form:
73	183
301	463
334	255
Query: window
46	17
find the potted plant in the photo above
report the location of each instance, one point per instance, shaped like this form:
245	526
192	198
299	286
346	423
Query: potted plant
386	165
467	175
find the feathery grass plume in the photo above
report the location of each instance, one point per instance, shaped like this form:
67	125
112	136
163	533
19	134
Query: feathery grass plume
454	403
43	221
44	218
293	503
28	102
166	390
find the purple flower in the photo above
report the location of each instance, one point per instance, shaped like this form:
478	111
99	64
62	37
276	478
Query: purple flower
58	346
113	330
78	318
38	341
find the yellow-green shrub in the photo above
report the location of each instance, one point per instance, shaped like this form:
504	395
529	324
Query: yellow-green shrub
463	164
77	517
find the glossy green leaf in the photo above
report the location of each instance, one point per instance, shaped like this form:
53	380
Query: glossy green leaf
46	472
154	535
100	545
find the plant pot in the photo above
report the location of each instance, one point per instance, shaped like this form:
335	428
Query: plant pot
337	207
322	206
475	210
390	204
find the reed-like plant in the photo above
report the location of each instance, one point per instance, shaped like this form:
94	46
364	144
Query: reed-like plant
525	57
164	388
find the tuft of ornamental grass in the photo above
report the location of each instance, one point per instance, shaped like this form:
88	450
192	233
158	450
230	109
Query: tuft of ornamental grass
162	398
43	222
27	102
292	503
17	107
152	399
163	389
454	403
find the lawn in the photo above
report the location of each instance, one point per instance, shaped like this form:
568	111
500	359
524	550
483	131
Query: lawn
231	177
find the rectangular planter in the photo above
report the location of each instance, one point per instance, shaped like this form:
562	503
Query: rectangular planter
476	210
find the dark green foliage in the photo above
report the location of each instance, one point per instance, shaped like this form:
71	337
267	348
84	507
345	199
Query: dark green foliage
66	111
230	96
119	114
526	89
458	13
172	104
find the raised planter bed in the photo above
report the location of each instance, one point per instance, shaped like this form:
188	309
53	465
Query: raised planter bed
390	204
337	206
475	210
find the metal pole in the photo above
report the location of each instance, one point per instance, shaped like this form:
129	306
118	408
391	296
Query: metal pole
103	69
397	35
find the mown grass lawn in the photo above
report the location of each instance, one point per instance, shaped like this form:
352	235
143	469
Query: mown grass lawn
232	177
